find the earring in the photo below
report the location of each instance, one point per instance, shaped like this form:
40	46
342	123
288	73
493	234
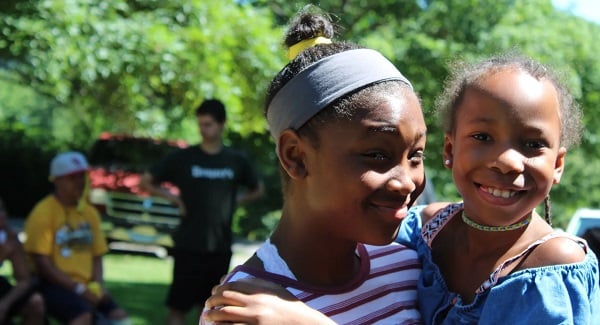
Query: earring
447	162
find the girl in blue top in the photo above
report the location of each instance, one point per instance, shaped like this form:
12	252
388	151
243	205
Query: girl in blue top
492	259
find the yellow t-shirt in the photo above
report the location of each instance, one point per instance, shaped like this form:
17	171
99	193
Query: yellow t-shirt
69	237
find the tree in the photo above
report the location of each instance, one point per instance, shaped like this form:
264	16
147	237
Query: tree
137	67
422	37
142	66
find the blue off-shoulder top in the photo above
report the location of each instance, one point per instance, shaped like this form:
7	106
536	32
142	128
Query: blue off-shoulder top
556	294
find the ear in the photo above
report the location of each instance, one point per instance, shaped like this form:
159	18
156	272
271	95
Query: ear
290	151
448	152
559	164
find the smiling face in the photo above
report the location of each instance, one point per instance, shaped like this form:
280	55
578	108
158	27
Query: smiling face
505	148
365	171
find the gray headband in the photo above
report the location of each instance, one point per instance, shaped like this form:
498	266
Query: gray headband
323	82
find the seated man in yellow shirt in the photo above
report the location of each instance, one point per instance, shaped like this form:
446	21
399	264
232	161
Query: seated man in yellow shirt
66	245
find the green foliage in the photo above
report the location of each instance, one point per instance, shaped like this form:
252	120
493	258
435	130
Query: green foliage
467	30
569	45
251	221
142	66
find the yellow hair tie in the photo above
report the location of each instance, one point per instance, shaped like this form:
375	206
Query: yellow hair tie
301	46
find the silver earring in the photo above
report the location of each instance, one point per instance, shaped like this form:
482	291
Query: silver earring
447	162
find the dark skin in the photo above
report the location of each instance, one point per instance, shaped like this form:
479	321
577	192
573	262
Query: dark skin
344	192
355	186
505	155
465	265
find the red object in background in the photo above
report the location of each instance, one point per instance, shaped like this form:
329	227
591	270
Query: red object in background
121	181
117	162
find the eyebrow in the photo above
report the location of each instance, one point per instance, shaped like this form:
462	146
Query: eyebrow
487	120
383	129
481	119
390	129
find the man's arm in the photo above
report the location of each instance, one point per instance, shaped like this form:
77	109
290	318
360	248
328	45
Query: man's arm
97	270
251	195
52	274
149	184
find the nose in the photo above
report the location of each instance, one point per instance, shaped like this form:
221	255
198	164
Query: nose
401	182
509	160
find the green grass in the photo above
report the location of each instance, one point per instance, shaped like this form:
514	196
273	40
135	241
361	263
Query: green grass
139	284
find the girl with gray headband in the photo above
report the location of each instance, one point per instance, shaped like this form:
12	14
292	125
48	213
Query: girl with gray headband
350	136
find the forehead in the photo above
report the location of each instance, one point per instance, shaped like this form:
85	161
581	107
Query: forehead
394	115
71	177
206	118
521	95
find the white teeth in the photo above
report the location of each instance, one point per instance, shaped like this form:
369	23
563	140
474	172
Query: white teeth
500	193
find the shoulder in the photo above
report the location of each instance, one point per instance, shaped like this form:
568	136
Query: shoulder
236	153
557	250
46	202
432	209
182	152
45	206
393	249
178	152
92	212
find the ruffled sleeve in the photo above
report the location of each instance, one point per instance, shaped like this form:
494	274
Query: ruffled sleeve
558	294
410	229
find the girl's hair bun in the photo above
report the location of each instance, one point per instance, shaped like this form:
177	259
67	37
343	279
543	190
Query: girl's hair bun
309	24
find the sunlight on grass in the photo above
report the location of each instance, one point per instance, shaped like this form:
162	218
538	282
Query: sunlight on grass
138	269
139	284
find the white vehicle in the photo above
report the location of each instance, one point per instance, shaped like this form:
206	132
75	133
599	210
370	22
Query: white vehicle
585	223
583	220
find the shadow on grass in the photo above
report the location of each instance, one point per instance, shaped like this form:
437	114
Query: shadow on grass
139	283
144	302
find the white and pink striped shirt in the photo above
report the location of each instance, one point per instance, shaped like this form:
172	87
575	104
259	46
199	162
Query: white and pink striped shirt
383	292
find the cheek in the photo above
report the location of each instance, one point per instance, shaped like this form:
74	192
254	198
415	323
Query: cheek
541	169
419	180
540	164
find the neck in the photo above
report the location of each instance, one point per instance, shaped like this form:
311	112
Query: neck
514	226
314	258
211	147
64	200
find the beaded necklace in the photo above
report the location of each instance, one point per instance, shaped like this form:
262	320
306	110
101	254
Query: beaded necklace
477	226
